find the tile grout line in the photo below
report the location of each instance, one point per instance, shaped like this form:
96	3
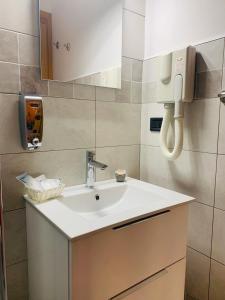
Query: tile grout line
23	65
215	181
95	120
96	129
213	217
209	71
13	210
131	82
17	263
133	11
140	140
186	150
198	251
18	53
203	254
195	45
68	149
20	32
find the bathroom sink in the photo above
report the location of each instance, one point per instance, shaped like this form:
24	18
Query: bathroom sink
106	199
95	200
81	210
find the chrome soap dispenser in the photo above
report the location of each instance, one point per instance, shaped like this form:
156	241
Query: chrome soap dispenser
31	121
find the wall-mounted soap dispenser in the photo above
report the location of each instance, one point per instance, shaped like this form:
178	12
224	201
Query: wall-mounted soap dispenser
31	121
175	86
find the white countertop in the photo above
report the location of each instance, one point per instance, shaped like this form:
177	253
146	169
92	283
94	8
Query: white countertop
75	225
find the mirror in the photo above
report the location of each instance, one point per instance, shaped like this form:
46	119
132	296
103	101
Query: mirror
81	41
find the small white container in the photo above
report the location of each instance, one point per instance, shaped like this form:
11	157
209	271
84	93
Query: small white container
120	175
39	196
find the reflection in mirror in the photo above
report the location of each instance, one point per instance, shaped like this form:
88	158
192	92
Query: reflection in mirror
81	41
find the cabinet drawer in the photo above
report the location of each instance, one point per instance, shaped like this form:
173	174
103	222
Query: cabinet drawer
167	284
113	260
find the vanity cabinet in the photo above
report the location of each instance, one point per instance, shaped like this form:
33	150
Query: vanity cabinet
167	283
140	259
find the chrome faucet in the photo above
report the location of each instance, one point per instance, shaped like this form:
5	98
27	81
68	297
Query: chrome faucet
91	165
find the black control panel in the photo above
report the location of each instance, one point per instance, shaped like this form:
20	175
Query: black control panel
155	124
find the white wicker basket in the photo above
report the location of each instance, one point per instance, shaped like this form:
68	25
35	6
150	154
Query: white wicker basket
39	197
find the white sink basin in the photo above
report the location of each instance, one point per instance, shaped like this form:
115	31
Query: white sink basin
95	200
81	210
105	200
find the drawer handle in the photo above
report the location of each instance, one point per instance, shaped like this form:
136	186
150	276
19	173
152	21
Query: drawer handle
140	220
140	285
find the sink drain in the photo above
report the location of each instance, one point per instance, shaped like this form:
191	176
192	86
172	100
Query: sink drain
97	197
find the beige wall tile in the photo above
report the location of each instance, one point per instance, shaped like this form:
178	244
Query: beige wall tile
84	92
9	46
9	124
17	281
153	167
210	56
200	227
60	89
126	69
69	124
149	78
136	92
68	165
117	124
124	94
137	70
9	78
193	173
125	157
105	94
218	242
208	84
150	110
149	93
29	50
217	281
15	236
223	81
197	277
31	83
220	187
150	69
200	125
201	120
21	16
221	143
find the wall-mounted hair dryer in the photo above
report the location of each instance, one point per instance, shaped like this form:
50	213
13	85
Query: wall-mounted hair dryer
175	86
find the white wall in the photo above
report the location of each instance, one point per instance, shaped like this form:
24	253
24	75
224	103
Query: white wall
173	24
